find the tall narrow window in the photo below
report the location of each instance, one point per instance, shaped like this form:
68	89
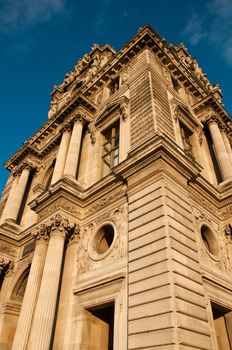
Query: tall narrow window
186	138
110	156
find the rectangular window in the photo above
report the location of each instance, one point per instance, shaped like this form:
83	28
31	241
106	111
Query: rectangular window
110	156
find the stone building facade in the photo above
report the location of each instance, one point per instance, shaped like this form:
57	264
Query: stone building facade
116	229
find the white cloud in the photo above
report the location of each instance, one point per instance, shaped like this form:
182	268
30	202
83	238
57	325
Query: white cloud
19	14
194	28
215	26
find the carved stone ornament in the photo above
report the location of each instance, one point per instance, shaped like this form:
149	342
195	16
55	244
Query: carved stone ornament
92	131
61	203
123	111
87	259
4	265
228	231
56	223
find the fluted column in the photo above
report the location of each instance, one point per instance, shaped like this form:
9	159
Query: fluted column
62	154
227	143
66	325
19	193
43	319
32	289
15	174
220	149
71	163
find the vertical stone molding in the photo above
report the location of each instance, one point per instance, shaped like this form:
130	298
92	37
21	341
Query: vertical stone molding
19	192
72	159
62	154
43	319
15	175
220	149
32	289
65	326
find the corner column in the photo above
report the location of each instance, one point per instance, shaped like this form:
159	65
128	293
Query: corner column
71	163
15	175
62	154
44	316
226	142
220	149
32	289
19	193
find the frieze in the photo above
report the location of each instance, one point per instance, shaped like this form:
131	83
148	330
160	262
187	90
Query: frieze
227	212
204	203
106	201
8	249
59	204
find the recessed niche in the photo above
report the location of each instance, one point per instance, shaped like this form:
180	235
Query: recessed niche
209	240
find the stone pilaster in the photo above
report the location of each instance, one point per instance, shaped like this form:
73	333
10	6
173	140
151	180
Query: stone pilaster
44	315
32	289
72	159
19	193
220	149
62	154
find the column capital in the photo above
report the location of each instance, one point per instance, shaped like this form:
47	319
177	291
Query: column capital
213	118
78	117
15	171
66	127
27	165
41	232
59	225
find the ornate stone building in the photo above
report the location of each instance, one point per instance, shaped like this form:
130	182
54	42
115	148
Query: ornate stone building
116	228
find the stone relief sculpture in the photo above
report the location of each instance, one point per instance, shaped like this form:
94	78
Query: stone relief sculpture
119	250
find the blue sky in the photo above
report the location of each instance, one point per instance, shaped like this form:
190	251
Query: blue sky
41	40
